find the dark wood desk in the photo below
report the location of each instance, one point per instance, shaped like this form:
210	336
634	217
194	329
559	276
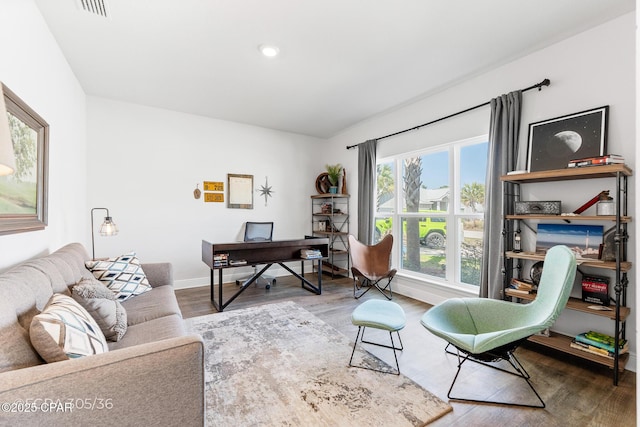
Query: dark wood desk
258	253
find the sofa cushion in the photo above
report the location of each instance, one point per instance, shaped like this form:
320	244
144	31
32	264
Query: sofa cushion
151	305
154	330
64	330
101	303
122	275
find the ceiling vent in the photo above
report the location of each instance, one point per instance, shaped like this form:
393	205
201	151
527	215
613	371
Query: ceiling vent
95	7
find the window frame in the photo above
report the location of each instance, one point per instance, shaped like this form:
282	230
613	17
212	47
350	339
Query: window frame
453	215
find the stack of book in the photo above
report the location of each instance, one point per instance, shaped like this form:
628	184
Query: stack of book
520	286
600	344
607	159
220	260
310	253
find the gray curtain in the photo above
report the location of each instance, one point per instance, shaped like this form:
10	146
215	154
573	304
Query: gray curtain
502	158
366	189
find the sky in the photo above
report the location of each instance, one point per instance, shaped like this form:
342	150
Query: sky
473	162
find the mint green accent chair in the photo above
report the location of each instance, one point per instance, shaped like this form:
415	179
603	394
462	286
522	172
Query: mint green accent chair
487	330
379	314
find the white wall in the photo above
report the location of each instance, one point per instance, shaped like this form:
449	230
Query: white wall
589	70
144	164
33	67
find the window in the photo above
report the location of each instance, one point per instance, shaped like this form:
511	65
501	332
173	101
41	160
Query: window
432	201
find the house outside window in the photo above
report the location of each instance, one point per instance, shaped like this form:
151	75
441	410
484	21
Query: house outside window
432	201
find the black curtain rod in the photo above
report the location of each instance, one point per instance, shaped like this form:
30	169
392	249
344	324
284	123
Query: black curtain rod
545	82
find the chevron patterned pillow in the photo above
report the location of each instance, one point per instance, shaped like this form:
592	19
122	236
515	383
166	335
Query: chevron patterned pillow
123	275
64	330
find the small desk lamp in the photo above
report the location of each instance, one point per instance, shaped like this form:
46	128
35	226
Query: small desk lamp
7	157
108	228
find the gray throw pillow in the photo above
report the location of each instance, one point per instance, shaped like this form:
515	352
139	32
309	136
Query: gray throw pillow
102	304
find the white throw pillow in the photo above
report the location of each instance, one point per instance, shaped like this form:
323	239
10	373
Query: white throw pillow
64	330
123	275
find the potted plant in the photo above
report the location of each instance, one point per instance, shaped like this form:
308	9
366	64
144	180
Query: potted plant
334	172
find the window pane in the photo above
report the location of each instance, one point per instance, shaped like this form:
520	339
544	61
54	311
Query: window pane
423	245
383	226
426	183
473	168
385	187
471	250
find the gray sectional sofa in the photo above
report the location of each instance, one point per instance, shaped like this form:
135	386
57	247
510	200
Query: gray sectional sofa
153	375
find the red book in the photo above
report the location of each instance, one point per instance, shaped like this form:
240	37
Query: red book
595	289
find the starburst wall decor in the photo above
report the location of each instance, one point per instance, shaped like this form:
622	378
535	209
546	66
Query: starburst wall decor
265	190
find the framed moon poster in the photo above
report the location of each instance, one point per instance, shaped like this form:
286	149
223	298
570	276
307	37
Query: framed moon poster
554	142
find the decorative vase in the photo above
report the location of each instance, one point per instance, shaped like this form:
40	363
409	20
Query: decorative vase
333	189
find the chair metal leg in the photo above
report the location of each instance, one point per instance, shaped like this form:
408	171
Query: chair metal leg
356	288
515	364
382	290
366	283
392	346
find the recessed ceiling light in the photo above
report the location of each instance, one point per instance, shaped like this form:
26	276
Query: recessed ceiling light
268	50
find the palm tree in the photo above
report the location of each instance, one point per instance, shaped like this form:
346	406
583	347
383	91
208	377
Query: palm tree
385	184
412	184
472	195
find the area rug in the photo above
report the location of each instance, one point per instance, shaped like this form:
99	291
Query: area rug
279	365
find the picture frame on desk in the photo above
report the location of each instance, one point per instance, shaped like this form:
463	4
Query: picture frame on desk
554	142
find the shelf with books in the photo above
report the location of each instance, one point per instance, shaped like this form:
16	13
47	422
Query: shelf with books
577	304
330	218
329	233
625	266
613	248
563	343
570	218
606	171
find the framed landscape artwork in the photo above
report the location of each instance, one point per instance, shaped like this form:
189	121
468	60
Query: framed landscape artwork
584	240
554	142
23	194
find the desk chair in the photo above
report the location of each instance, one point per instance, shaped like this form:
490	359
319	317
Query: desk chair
258	232
487	330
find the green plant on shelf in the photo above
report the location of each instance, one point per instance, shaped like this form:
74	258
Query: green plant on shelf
334	172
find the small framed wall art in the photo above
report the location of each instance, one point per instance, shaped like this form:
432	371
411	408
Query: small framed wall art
554	142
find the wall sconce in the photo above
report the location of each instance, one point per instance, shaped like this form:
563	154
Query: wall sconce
108	228
7	157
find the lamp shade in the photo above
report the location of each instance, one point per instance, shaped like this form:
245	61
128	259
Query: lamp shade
7	157
108	227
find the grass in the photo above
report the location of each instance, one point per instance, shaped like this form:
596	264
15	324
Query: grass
17	197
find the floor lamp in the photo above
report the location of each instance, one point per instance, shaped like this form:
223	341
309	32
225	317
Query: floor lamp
108	228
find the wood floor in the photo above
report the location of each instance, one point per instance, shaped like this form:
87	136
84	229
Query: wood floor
576	392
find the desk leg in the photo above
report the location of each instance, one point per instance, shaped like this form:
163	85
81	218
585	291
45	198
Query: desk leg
218	305
307	285
220	289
